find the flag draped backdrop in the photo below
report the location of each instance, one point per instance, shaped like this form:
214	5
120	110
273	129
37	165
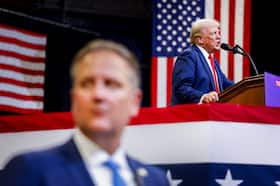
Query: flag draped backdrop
172	21
22	66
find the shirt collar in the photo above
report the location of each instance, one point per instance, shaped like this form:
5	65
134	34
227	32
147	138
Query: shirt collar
94	155
203	51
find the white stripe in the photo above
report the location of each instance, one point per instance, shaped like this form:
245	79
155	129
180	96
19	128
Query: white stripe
11	33
21	103
162	81
238	68
21	77
22	64
224	35
15	143
22	50
200	142
238	35
186	142
21	90
209	9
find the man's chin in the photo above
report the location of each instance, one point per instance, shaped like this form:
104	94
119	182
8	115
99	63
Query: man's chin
100	126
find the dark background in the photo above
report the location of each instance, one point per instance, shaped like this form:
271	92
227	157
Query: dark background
69	24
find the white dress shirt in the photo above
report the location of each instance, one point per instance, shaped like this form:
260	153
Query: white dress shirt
206	54
94	157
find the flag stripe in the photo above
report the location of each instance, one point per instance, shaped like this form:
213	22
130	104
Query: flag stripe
231	36
21	90
224	9
21	77
25	58
22	69
162	82
22	35
12	61
18	96
22	43
23	104
22	50
246	36
154	82
238	36
170	63
21	83
217	13
9	108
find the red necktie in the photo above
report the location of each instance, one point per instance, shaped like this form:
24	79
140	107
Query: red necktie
211	58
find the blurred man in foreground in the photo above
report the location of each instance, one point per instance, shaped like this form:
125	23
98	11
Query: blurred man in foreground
105	95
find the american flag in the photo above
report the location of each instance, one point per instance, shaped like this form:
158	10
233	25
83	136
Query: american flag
172	21
22	67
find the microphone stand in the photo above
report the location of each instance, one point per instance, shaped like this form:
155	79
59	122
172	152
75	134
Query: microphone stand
236	49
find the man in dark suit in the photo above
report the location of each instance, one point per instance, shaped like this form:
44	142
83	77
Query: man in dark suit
197	77
105	94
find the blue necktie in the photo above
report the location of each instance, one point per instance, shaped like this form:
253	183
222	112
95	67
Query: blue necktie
116	178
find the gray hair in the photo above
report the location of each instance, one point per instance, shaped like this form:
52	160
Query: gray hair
199	25
119	49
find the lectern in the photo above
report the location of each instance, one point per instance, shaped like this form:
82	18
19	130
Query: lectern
248	91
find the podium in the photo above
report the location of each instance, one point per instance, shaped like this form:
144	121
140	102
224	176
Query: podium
248	91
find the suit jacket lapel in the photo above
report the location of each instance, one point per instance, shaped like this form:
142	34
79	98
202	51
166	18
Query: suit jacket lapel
78	174
206	67
139	172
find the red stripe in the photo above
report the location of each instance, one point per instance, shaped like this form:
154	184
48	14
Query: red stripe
22	43
7	128
21	83
20	97
247	36
36	121
217	16
231	23
170	62
208	112
150	116
21	70
217	10
154	69
22	31
22	57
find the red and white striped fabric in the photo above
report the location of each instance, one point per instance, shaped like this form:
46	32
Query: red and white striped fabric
218	133
22	67
234	16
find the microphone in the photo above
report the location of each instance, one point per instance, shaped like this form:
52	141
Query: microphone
232	49
239	50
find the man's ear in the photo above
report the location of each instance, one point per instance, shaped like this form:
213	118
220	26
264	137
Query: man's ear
199	40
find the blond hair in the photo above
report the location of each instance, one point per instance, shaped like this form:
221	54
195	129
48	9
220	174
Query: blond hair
199	25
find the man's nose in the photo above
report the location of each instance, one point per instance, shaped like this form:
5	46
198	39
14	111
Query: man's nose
98	91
